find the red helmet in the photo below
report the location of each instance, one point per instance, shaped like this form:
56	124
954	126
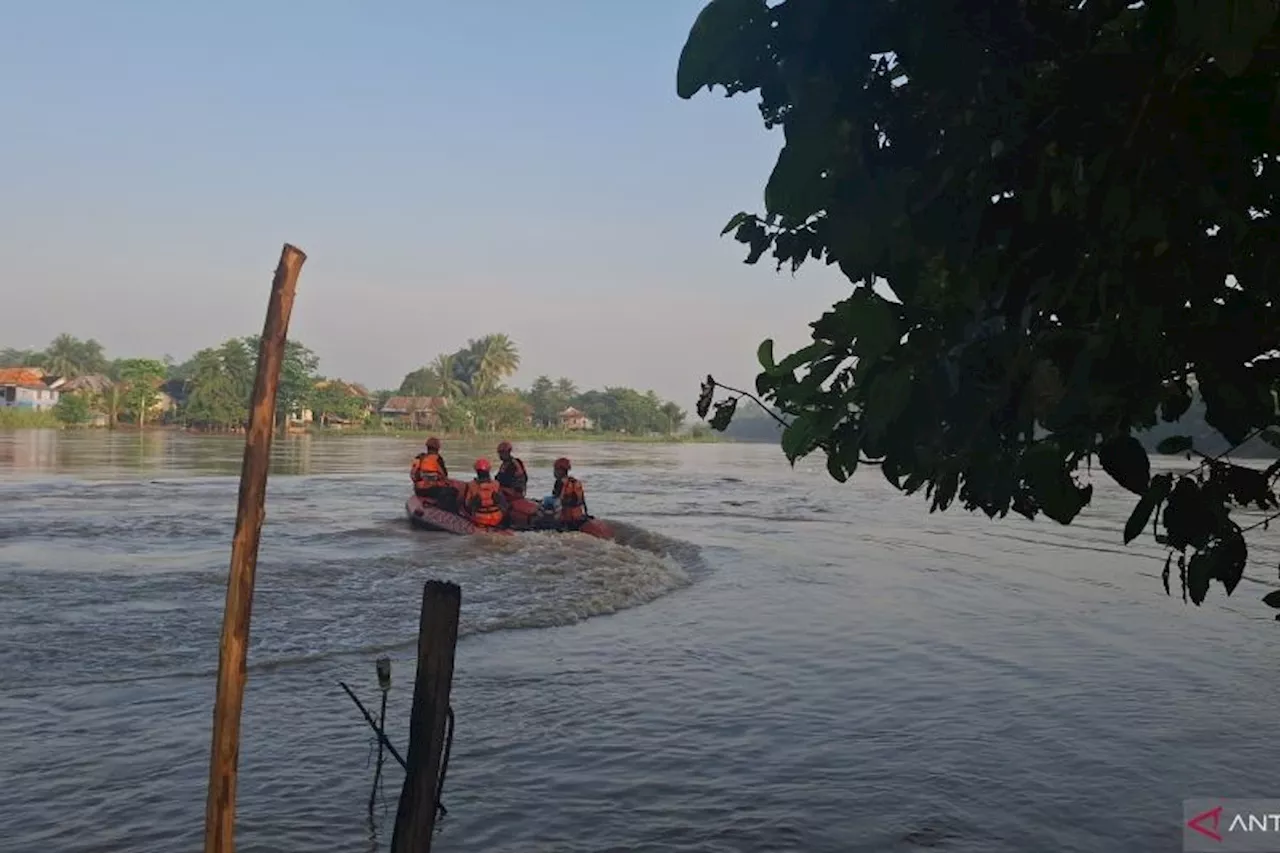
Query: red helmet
504	447
562	464
433	443
482	464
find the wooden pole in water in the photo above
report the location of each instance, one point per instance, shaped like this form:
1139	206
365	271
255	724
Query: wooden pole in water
220	807
437	638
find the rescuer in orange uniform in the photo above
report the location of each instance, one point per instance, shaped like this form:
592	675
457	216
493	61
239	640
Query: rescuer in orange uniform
570	495
431	476
483	500
512	476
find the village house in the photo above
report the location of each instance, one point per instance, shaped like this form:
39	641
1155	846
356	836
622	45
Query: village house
28	388
572	418
94	387
164	404
91	384
308	415
414	412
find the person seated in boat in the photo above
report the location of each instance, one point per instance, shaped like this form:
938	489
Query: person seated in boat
483	501
512	476
568	499
431	477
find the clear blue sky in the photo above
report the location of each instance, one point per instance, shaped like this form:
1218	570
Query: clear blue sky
451	169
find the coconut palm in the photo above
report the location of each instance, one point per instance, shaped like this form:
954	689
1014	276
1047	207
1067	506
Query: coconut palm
70	357
494	358
444	370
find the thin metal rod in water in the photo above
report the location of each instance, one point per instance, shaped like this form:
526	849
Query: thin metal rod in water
373	724
377	771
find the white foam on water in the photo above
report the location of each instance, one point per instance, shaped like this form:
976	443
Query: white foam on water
542	580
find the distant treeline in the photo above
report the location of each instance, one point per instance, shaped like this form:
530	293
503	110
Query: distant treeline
211	390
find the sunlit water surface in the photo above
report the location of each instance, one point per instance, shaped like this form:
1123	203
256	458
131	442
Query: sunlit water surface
770	662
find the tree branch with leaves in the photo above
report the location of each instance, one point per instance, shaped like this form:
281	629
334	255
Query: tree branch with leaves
1068	208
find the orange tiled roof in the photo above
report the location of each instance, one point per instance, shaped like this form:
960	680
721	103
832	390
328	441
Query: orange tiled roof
26	376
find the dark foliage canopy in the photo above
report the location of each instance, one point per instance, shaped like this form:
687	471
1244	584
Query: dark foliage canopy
1072	203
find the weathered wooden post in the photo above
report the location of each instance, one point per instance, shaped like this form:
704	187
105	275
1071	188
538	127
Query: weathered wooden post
224	753
437	638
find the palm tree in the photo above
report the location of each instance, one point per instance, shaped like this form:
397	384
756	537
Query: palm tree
444	370
567	387
62	358
495	357
68	356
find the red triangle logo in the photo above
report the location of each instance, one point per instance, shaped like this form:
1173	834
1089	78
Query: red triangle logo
1198	823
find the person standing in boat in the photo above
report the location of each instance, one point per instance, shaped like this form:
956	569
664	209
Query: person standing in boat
431	477
512	476
483	501
568	496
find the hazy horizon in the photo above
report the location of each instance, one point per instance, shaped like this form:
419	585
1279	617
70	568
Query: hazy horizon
451	170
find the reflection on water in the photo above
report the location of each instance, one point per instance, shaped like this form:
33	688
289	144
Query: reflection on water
114	454
769	661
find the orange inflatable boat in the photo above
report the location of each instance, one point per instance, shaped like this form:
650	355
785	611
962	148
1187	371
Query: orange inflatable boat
524	516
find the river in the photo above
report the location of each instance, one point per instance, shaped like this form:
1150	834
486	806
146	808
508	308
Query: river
773	662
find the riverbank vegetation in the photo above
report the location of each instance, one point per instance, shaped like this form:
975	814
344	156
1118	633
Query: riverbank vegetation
458	393
1069	216
27	419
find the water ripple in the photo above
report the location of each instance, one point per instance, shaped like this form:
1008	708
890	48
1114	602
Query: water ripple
815	667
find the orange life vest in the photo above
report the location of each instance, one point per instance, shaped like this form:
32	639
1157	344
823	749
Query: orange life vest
481	500
513	477
573	500
427	470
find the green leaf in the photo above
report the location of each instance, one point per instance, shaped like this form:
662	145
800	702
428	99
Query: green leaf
1174	444
765	355
1230	555
1189	516
738	219
1272	599
1159	489
1175	403
871	322
724	414
797	438
1115	209
801	357
718	46
1228	29
1044	470
1125	459
1223	560
836	469
1057	198
947	484
705	395
888	394
1149	224
1199	573
796	188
